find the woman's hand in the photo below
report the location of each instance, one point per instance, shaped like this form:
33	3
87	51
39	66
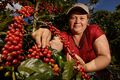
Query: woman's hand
79	59
56	44
81	63
42	37
69	58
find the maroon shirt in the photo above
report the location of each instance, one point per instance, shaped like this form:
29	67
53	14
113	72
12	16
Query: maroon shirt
85	49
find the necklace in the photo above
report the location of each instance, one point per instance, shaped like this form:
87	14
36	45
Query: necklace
79	43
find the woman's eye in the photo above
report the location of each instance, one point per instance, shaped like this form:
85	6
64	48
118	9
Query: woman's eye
72	17
82	18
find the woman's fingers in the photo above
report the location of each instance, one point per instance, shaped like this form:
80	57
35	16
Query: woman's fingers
79	59
37	36
38	41
46	36
48	40
69	58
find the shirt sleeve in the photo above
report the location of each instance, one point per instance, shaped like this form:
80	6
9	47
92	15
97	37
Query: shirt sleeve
95	31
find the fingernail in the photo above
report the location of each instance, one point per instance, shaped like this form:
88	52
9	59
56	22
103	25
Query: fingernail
43	46
39	46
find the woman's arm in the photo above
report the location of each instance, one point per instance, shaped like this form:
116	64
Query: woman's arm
102	51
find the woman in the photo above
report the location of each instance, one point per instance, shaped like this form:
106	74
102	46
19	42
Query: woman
88	40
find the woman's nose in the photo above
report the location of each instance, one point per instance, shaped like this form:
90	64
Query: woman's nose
77	20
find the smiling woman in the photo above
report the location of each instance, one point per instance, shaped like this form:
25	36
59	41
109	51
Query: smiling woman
81	53
88	43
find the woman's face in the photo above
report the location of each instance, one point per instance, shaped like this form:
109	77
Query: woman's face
78	22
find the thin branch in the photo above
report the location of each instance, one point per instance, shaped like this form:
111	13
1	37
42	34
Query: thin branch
35	16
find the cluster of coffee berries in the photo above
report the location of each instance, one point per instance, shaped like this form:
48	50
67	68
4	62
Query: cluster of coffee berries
55	69
84	75
43	54
82	70
12	50
26	11
49	7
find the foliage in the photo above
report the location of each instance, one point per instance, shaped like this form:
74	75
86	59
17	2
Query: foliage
33	68
118	8
5	19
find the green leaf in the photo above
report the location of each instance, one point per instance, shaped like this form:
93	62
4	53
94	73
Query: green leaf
59	58
34	69
68	71
78	76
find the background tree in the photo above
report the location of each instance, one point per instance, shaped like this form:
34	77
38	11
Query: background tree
118	8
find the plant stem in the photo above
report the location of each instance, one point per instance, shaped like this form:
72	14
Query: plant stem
13	73
35	16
